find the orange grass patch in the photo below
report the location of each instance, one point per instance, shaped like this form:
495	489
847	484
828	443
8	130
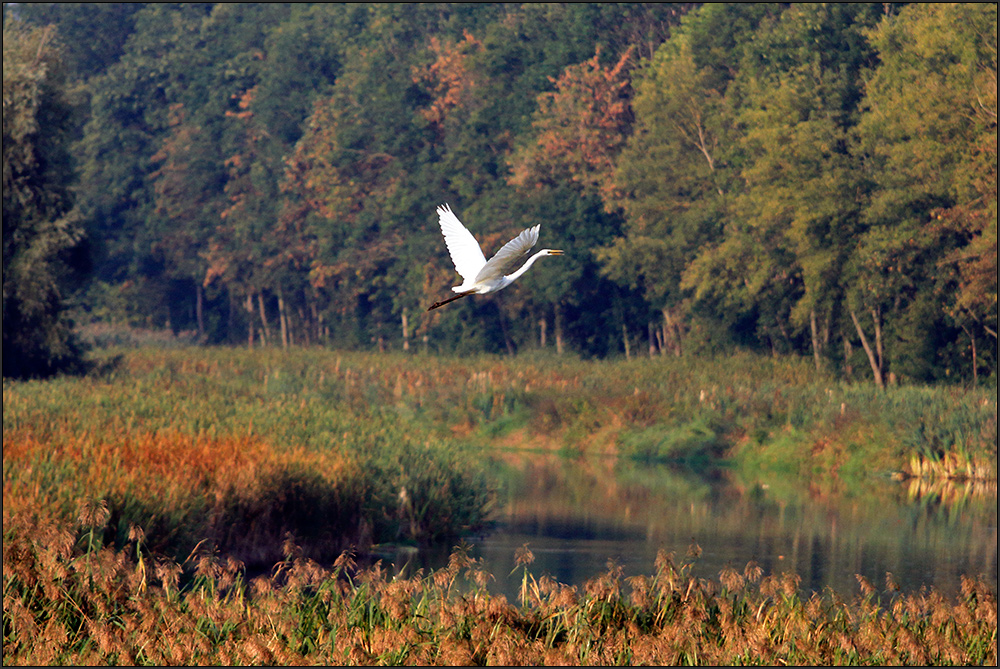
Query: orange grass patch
233	490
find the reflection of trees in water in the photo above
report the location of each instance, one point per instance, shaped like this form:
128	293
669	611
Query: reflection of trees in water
877	526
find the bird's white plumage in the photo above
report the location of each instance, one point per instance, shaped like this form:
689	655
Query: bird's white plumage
479	276
462	246
508	256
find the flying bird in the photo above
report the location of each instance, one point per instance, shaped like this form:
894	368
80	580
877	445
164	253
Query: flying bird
479	276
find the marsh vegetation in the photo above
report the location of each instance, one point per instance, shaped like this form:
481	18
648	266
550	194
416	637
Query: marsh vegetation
234	499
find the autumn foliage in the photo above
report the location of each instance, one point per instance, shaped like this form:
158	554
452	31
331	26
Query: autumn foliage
810	180
580	128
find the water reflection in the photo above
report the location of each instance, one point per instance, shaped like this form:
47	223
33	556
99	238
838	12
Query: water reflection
575	515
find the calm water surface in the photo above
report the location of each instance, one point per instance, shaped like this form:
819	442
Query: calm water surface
576	515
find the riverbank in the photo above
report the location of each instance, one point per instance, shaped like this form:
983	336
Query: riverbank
241	448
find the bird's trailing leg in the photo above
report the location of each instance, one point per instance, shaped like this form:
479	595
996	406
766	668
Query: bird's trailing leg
450	299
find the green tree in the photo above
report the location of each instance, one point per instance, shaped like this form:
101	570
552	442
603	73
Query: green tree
93	34
677	175
925	141
133	106
793	219
40	227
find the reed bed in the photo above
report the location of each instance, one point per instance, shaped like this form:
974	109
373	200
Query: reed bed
240	448
68	600
140	500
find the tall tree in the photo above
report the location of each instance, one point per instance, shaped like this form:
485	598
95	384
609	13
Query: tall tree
40	227
796	211
564	171
925	140
130	121
678	173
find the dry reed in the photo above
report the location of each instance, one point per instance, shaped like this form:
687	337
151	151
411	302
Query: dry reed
69	600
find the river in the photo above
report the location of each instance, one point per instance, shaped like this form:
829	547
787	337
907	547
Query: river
575	515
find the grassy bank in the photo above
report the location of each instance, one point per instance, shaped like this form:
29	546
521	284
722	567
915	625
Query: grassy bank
238	450
242	448
138	499
69	601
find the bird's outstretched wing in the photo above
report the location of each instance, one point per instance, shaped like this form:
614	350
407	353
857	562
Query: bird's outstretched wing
509	256
462	246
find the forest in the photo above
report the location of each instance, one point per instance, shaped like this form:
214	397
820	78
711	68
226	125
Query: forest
807	180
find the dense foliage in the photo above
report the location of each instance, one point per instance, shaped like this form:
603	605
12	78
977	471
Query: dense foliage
817	180
40	228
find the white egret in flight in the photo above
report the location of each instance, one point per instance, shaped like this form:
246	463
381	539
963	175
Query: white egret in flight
478	275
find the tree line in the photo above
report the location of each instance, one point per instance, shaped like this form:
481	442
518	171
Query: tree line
814	180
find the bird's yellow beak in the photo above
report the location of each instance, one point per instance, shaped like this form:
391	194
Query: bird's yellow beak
555	252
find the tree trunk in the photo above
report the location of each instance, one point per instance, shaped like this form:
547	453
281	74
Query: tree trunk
542	326
975	362
673	329
559	331
266	332
249	310
878	337
872	359
651	333
318	320
199	311
282	320
628	351
304	326
406	333
815	338
848	368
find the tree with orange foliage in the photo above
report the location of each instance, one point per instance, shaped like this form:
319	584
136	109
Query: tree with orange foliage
450	78
580	128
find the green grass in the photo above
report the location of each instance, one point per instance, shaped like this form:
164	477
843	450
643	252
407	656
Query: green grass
351	448
134	496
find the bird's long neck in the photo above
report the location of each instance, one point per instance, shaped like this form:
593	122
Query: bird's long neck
524	268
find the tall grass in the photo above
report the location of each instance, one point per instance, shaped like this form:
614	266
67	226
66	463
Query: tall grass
240	448
136	499
70	601
227	449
